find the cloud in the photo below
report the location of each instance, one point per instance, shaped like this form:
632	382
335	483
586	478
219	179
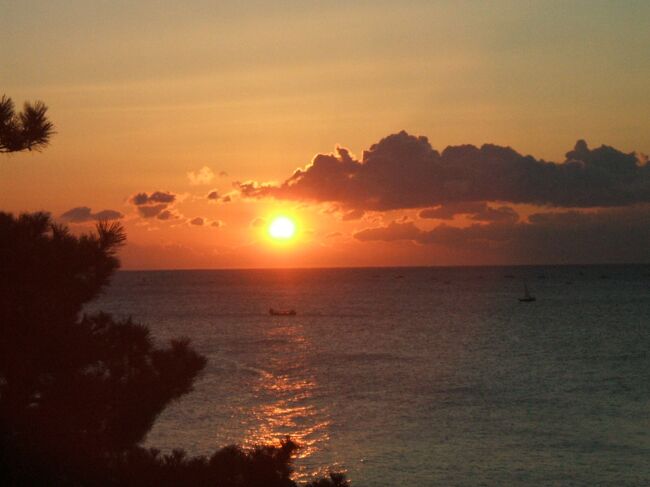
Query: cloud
199	221
140	199
217	224
155	197
151	211
258	222
609	235
156	204
202	176
167	215
352	215
394	231
477	211
226	199
403	171
450	210
83	214
108	215
223	174
500	214
213	195
642	158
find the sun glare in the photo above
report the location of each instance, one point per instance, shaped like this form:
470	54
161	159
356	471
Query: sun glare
282	228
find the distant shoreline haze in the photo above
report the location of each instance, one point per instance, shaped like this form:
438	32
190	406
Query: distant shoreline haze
389	267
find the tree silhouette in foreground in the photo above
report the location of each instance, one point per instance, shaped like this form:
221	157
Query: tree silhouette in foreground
26	130
74	391
78	393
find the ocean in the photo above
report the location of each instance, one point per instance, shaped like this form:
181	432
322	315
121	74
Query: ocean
413	376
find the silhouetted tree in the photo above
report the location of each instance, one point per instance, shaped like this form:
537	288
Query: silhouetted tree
26	130
334	480
74	388
78	393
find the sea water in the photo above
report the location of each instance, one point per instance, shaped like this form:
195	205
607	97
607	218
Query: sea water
413	376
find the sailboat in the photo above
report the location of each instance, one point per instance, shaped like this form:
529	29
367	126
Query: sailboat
528	298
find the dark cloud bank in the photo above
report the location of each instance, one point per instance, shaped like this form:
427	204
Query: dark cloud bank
403	171
478	211
612	235
596	199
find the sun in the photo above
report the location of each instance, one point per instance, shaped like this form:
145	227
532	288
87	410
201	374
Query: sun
282	228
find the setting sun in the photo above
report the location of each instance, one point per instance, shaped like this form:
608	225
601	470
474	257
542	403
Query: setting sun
282	228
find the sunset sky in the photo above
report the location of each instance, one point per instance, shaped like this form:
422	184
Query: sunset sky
189	120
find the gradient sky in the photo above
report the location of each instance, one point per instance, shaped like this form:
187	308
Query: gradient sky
145	94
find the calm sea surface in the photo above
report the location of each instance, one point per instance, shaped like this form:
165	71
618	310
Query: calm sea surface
419	376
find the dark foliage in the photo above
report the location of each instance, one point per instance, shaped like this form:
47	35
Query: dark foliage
230	466
73	389
26	130
78	393
334	480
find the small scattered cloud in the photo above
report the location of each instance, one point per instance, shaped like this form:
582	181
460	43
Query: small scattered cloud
226	199
217	224
140	199
167	215
334	235
199	221
82	214
213	195
202	176
223	174
151	211
155	205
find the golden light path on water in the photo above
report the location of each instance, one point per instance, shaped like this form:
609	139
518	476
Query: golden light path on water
290	408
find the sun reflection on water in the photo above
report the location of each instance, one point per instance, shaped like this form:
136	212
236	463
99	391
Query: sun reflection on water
287	403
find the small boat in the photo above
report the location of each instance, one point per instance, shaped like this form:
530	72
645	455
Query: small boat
282	312
528	298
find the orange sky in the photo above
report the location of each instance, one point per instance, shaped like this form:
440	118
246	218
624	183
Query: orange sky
143	95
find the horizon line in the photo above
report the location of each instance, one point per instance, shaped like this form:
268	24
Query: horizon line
379	267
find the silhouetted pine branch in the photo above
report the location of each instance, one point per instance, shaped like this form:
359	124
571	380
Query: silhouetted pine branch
26	130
